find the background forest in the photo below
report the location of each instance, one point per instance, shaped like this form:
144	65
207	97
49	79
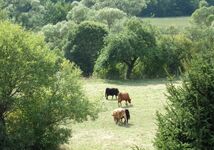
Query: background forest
104	38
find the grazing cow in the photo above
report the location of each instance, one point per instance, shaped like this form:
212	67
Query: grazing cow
121	113
112	92
123	97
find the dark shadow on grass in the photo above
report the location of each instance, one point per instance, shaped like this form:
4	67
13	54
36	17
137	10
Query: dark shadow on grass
111	99
125	126
139	82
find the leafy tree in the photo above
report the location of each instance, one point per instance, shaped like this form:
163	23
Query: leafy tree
203	3
28	13
78	13
127	47
203	38
171	52
203	16
39	91
110	15
56	12
88	3
132	7
84	45
56	35
188	122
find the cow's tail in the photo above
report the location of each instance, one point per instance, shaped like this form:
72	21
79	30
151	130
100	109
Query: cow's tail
127	114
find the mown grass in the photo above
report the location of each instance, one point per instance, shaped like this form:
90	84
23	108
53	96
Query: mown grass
179	22
103	134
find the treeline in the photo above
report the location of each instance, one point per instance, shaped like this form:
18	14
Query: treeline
34	14
110	44
172	8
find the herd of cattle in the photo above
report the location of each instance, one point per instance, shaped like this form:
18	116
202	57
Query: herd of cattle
119	113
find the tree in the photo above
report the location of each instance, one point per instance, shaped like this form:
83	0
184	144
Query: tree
203	3
88	3
78	13
28	13
188	122
110	15
39	91
203	16
84	45
127	47
133	7
167	58
55	12
56	35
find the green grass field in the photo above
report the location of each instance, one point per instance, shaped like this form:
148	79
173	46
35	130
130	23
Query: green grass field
103	134
180	22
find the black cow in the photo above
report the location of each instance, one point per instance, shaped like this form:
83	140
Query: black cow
112	92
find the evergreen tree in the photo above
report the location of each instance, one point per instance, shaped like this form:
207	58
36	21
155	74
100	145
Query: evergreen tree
188	122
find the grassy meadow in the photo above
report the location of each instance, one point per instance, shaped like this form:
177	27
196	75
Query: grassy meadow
103	134
180	22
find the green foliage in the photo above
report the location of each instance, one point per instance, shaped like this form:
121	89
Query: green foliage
188	122
132	7
84	45
203	16
110	15
3	15
39	91
203	3
56	12
203	38
171	52
126	47
28	13
33	14
166	8
56	35
78	13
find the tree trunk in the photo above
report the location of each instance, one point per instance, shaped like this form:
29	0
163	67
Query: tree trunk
129	71
130	67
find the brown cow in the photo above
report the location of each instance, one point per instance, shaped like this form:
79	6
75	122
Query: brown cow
123	97
121	113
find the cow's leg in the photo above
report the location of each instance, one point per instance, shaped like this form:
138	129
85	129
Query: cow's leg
126	103
125	120
115	120
119	104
